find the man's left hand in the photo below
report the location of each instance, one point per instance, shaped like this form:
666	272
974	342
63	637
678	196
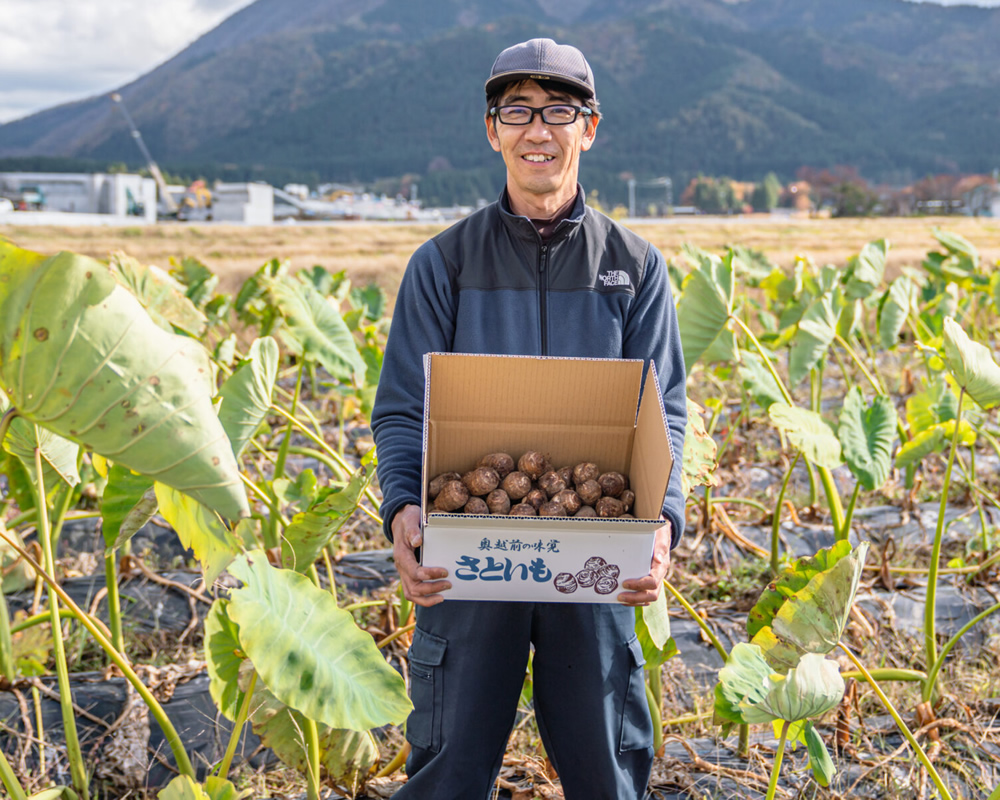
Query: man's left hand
643	591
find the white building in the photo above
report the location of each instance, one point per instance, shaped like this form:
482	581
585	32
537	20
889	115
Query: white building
119	195
249	203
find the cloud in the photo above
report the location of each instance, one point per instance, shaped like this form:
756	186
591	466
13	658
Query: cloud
52	51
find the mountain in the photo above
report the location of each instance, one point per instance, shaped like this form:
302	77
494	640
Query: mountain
352	90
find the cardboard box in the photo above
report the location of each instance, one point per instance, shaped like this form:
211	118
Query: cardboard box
573	410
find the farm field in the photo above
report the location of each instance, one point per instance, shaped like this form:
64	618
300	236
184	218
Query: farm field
376	252
836	588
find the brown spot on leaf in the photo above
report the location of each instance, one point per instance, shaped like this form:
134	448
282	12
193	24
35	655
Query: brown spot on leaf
125	404
137	430
41	334
215	461
154	380
90	274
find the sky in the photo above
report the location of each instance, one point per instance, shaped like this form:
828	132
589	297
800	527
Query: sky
56	51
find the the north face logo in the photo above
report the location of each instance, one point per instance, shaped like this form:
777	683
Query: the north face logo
615	277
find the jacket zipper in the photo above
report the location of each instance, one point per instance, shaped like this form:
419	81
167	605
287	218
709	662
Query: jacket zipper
543	279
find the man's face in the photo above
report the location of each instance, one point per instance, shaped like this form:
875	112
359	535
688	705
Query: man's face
541	159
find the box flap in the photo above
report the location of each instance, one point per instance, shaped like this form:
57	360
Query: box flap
574	391
652	454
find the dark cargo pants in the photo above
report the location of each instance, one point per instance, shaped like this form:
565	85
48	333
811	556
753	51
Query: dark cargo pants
467	666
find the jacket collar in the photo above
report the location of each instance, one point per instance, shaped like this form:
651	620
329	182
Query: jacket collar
524	228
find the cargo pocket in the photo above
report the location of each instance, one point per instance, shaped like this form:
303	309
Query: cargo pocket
637	726
423	726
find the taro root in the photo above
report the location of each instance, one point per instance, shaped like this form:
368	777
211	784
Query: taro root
626	516
501	463
586	511
628	498
498	502
481	481
585	472
435	486
609	507
612	483
517	485
523	510
551	483
610	571
589	491
536	497
551	508
605	585
476	505
565	582
566	473
594	563
453	496
569	500
532	464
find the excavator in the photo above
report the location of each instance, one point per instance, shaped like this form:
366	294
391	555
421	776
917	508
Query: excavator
195	202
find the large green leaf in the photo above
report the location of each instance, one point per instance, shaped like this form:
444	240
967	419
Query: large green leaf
309	652
162	296
894	308
866	436
935	404
759	381
223	657
817	329
810	689
126	505
183	787
866	269
200	529
703	312
808	432
198	280
314	329
59	456
972	365
699	452
310	531
81	357
246	394
813	619
933	440
346	756
744	681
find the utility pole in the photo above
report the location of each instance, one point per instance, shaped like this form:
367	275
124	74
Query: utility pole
154	170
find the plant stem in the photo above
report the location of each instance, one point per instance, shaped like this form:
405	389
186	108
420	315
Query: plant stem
120	660
767	361
654	713
698	619
899	723
7	776
397	762
875	384
887	674
77	766
930	605
311	731
114	601
743	501
238	723
933	672
844	532
776	520
776	766
832	498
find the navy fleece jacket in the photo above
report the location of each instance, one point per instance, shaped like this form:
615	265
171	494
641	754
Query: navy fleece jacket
489	285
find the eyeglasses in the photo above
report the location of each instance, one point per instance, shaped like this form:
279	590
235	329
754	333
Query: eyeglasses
551	115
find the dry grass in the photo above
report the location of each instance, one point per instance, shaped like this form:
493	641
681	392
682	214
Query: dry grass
379	252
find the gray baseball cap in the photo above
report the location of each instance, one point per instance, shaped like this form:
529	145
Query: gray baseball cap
541	59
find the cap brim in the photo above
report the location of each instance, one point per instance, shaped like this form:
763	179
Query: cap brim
497	82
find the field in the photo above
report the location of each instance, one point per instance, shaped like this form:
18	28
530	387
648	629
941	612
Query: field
843	453
380	252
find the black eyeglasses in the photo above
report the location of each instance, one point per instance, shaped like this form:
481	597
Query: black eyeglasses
551	115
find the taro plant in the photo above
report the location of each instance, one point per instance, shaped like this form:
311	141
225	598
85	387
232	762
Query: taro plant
88	373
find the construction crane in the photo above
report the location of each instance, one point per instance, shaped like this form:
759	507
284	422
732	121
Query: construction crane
168	201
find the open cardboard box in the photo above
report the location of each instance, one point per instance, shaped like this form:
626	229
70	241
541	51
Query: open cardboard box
573	410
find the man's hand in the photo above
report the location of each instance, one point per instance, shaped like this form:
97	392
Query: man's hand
421	585
643	591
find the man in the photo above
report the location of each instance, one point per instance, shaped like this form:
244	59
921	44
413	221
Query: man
536	273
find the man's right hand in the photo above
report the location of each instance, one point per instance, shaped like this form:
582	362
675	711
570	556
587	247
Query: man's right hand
421	585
